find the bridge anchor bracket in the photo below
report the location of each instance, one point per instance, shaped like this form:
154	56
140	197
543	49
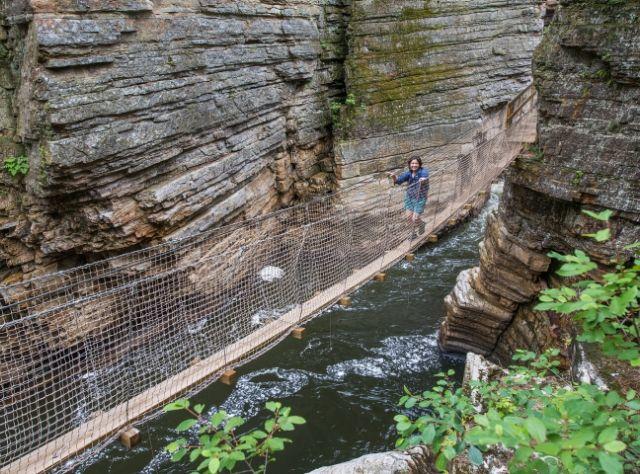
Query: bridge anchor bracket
130	437
381	276
228	377
344	301
297	333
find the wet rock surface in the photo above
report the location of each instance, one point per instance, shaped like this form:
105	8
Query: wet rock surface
414	461
587	73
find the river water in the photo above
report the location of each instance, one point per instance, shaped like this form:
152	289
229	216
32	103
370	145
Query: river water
345	377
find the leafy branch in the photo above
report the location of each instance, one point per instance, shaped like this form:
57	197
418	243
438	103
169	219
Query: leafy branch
16	165
606	306
220	447
549	424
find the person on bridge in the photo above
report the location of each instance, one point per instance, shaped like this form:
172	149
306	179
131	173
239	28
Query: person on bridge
415	198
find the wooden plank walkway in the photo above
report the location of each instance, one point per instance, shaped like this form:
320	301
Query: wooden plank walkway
109	422
119	417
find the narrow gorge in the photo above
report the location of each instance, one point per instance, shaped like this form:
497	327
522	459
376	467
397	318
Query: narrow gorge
187	183
143	121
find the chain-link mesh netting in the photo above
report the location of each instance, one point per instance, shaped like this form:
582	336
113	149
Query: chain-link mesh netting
86	351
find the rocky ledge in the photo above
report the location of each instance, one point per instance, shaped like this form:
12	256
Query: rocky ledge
587	73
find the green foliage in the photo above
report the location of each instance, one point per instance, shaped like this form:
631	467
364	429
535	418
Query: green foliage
607	306
219	445
600	216
537	152
550	425
442	425
15	165
343	113
577	177
350	100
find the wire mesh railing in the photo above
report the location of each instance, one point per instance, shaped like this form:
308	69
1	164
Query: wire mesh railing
85	352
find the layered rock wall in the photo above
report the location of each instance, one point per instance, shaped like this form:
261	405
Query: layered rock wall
422	72
587	73
155	119
144	120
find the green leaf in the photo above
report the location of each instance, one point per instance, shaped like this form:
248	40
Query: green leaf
576	269
550	448
275	444
428	434
214	465
297	420
273	406
610	464
536	429
178	455
232	423
198	408
175	445
180	404
287	426
403	426
186	424
567	460
607	435
600	216
237	456
475	455
449	453
523	453
193	455
619	304
441	462
615	446
217	418
601	236
631	394
612	399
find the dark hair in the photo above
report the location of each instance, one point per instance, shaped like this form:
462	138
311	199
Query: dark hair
417	158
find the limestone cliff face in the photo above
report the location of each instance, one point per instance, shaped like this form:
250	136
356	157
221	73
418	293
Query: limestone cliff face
145	120
421	72
587	72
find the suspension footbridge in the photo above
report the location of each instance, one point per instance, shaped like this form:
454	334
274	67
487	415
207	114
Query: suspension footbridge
87	351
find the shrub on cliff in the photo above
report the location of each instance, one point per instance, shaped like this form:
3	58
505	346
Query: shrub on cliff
606	306
216	445
550	424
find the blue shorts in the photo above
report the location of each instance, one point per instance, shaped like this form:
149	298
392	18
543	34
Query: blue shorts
415	204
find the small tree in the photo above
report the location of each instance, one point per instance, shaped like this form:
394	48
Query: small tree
220	447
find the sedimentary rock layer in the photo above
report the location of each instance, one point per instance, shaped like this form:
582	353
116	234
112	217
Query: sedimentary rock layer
144	120
587	72
147	120
421	72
